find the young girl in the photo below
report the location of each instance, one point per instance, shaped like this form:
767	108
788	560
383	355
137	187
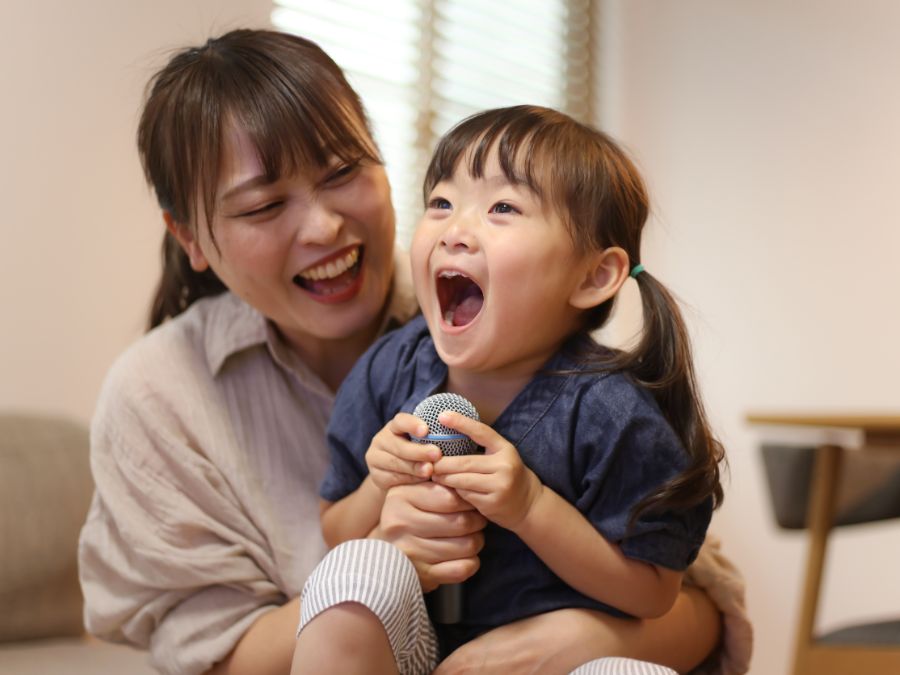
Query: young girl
600	473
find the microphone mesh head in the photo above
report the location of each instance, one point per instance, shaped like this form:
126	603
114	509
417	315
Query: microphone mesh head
428	411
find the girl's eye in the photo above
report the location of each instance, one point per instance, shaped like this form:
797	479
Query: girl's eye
439	203
503	207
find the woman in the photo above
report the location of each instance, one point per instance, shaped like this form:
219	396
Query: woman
208	439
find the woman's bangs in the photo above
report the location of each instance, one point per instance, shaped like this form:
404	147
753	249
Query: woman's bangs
291	139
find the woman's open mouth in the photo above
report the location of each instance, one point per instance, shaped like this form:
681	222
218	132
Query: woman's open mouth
461	299
332	278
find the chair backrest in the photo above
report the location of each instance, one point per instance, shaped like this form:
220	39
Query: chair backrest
45	492
869	490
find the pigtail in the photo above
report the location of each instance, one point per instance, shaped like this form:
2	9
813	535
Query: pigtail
662	362
179	285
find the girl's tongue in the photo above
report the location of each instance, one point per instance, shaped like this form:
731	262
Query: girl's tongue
461	299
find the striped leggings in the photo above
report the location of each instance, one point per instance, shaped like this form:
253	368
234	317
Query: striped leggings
378	576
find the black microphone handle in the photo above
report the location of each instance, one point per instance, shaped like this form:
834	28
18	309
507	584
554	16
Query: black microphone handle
448	603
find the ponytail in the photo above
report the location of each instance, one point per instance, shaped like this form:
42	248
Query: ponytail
662	362
179	285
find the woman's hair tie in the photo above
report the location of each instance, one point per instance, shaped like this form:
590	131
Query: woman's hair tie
637	269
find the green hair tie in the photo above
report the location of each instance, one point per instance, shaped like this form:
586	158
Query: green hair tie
637	269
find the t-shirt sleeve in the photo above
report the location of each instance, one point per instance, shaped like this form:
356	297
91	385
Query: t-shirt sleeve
625	459
168	560
362	407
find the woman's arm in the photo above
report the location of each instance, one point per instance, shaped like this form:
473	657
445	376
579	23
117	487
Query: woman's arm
558	642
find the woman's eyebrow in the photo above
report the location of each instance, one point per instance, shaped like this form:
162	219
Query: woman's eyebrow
252	182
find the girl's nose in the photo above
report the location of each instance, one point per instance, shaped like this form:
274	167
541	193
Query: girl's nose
459	235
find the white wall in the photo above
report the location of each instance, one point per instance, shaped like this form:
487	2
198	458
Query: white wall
79	231
769	132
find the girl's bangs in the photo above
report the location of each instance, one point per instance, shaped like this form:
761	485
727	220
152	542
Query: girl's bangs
522	137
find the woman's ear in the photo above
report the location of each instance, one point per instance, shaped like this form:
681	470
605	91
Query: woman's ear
604	273
187	239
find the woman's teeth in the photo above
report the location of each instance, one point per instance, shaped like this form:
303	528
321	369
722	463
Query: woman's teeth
331	269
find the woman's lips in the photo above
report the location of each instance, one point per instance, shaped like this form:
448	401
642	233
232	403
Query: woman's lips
336	279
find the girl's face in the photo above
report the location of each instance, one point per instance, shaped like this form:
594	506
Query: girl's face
497	275
312	252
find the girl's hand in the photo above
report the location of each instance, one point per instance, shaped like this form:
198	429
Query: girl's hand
437	530
393	459
497	483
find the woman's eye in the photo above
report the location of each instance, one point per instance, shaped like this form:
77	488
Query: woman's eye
341	173
438	203
503	207
271	206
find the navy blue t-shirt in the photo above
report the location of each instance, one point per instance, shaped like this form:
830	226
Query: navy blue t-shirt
598	440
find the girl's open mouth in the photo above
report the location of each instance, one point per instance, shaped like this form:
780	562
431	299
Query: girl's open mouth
332	277
461	299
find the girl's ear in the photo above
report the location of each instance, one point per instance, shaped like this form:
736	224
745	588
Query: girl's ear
187	239
604	273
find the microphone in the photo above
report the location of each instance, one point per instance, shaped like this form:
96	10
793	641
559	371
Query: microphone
447	603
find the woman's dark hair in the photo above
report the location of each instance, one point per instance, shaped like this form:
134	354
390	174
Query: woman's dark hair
589	181
284	91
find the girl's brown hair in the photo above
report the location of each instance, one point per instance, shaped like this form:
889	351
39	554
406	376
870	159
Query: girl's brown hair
586	178
284	91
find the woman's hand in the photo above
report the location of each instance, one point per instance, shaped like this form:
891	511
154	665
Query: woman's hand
393	459
436	529
497	483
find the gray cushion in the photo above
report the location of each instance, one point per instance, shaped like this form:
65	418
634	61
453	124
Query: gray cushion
885	633
71	656
45	491
869	491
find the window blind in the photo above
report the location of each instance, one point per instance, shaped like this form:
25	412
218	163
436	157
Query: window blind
421	66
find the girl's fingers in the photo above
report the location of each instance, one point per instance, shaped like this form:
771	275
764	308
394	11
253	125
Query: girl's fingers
408	451
478	431
404	423
466	482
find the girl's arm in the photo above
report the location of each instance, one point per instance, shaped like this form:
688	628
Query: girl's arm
508	493
570	546
392	459
352	517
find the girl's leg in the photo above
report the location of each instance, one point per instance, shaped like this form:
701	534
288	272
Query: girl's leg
347	639
362	611
620	666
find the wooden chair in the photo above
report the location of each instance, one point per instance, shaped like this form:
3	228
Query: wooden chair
804	485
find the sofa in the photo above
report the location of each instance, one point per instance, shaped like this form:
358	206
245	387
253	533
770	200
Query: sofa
45	491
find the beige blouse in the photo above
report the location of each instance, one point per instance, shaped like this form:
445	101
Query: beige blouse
207	447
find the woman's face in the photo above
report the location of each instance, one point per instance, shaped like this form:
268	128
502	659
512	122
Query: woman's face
313	252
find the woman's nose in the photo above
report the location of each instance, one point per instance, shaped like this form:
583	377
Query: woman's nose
321	225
